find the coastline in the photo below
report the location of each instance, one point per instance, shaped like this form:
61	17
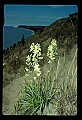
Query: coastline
24	29
8	42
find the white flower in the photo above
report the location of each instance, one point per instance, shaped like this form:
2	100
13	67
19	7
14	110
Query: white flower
34	78
36	50
32	47
26	69
54	42
49	61
48	71
39	53
26	75
40	58
28	58
38	74
52	48
36	67
36	53
34	59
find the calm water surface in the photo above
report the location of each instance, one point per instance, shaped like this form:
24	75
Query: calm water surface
12	35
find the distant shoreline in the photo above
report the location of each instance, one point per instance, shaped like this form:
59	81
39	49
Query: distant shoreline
24	29
33	28
9	38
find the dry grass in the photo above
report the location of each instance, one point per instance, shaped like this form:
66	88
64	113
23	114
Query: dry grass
65	79
59	88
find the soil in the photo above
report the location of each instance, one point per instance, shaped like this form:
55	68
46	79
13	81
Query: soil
10	95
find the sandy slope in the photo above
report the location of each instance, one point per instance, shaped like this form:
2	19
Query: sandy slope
10	92
10	95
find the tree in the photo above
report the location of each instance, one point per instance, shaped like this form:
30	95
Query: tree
74	14
23	40
27	38
10	47
14	45
4	51
18	43
7	48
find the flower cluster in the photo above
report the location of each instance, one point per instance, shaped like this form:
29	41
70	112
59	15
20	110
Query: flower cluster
52	51
37	69
34	58
36	50
28	64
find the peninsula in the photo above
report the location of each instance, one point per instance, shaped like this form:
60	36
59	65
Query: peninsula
34	28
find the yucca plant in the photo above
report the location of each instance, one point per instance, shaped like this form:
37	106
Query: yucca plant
56	86
35	96
65	80
39	92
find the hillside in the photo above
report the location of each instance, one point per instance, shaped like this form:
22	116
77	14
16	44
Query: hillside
12	90
65	31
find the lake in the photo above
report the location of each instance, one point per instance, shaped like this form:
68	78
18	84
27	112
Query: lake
13	34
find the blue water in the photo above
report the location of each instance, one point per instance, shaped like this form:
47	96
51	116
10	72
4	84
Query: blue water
12	35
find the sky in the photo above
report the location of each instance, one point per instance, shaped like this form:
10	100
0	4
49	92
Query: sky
36	15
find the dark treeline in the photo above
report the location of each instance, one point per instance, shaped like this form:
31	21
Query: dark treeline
73	15
34	28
